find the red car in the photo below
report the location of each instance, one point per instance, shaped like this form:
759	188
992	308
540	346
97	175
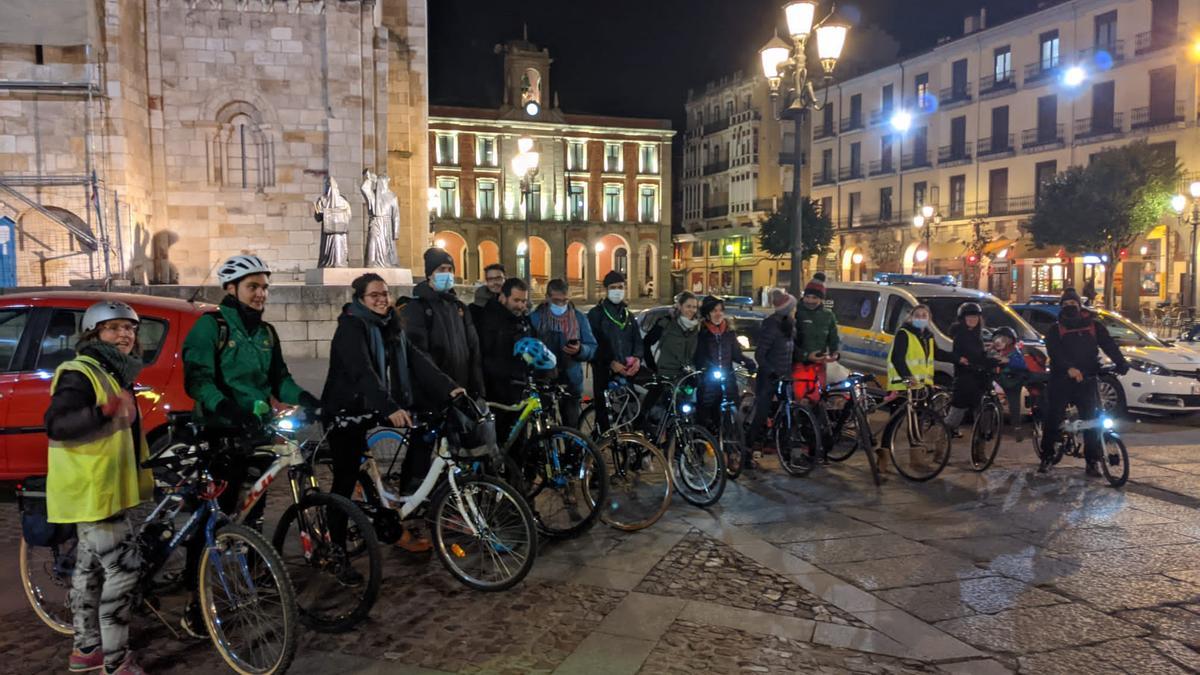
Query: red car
38	331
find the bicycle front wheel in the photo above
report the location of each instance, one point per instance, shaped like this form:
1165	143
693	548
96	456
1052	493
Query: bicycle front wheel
1115	463
335	587
699	466
919	450
797	439
248	603
567	482
639	482
485	534
985	434
843	427
46	577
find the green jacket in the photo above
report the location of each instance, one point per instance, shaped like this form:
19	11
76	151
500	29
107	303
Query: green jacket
816	331
676	346
251	367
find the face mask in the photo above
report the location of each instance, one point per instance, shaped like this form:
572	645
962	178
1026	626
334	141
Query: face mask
1070	311
443	281
687	323
920	324
558	310
616	295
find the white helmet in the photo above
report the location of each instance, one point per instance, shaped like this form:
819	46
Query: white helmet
107	310
241	266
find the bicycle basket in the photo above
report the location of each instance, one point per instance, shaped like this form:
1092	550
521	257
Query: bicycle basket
35	526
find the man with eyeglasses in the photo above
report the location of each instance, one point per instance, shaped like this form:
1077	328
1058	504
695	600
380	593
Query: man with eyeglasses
494	276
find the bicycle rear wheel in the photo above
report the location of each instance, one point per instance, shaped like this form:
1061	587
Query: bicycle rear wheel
566	482
985	434
927	447
699	466
1115	463
843	427
732	439
248	603
639	482
46	578
797	440
485	536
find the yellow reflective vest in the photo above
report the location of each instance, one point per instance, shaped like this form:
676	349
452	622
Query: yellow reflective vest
96	477
919	358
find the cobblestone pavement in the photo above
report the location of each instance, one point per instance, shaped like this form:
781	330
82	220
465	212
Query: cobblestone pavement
969	573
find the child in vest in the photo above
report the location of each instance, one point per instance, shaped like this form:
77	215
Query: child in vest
95	477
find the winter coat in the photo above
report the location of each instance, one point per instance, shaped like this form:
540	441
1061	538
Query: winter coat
773	351
439	324
480	300
816	331
1073	343
969	380
719	349
570	367
503	373
616	332
676	346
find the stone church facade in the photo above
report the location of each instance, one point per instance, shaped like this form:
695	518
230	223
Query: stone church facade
210	126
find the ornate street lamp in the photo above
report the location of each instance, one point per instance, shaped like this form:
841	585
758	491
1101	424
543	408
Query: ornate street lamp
925	221
525	167
786	69
1179	205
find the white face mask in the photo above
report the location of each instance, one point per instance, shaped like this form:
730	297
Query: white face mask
616	295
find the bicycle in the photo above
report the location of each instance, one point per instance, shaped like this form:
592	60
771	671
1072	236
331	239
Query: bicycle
624	405
483	531
988	427
730	426
246	595
929	439
844	411
1114	462
794	428
558	469
698	466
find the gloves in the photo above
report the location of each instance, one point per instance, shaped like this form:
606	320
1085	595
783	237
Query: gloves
238	416
1122	368
311	405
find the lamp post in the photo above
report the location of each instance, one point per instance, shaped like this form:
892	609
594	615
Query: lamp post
1179	205
926	220
786	69
525	167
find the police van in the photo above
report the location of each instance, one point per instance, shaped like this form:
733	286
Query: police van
870	312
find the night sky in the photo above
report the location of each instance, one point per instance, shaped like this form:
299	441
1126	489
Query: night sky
639	57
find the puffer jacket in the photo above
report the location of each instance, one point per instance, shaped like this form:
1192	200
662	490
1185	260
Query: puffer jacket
616	332
773	352
440	325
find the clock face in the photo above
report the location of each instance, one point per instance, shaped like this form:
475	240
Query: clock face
532	108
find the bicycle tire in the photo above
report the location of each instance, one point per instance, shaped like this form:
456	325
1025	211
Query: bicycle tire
639	482
1115	454
866	441
315	592
843	426
798	442
692	451
53	607
732	438
280	583
986	433
452	533
924	463
580	479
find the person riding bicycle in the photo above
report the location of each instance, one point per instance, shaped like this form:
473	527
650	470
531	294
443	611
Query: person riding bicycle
94	477
675	334
773	354
1017	370
970	361
717	348
232	363
816	341
374	371
1073	343
567	333
619	349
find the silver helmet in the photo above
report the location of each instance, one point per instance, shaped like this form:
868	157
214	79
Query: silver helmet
241	266
107	310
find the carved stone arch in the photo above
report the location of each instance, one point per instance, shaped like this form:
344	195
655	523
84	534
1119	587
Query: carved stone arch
241	149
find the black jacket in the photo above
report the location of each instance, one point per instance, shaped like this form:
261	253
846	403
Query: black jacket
499	330
719	349
773	349
355	386
440	325
616	332
969	380
1073	343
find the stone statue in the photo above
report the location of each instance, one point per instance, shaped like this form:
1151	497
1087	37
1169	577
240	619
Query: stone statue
333	212
384	224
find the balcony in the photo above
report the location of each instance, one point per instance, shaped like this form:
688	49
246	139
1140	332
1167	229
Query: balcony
716	167
823	178
880	167
719	211
1006	206
1115	49
852	123
916	160
787	158
951	155
1088	129
850	172
994	146
714	127
991	85
882	115
1151	116
1154	40
745	116
1042	138
960	93
824	131
1041	70
768	205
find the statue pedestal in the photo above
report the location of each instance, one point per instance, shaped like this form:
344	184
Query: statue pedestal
342	276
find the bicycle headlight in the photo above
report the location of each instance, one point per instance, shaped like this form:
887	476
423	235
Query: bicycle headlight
743	342
686	408
718	374
1107	423
1148	367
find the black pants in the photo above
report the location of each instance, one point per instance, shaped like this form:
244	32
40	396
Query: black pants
764	392
1061	393
601	376
568	408
347	445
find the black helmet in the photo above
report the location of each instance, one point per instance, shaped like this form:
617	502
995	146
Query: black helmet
969	308
1005	331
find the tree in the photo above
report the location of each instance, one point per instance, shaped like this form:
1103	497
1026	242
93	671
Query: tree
777	234
886	251
1107	205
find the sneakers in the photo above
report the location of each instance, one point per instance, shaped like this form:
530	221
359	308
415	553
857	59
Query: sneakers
1093	470
413	543
80	662
129	666
192	622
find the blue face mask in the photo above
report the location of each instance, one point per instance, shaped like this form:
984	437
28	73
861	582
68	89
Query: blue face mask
558	310
920	324
443	281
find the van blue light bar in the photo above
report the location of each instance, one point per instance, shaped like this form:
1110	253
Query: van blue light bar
891	278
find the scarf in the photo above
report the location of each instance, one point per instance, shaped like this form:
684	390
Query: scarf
124	367
251	318
375	326
567	324
716	329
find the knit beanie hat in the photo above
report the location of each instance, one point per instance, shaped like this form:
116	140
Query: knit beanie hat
613	277
816	286
1070	294
435	258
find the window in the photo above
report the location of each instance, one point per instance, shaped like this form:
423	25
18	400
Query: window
999	128
921	90
728	109
447	198
1048	53
576	156
919	190
854	209
12	324
1047	119
1106	31
827	120
63	331
447	150
827	207
535	202
485	199
885	152
1002	69
697	249
958	195
998	191
856	111
648	159
958	79
648	205
242	155
577	201
612	157
1162	94
746	245
1103	107
854	308
886	101
885	205
897	313
920	146
485	150
958	137
1043	173
714	248
612	203
827	165
855	159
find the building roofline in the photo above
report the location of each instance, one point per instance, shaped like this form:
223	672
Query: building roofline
461	116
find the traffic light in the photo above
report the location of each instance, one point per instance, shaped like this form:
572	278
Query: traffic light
972	258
